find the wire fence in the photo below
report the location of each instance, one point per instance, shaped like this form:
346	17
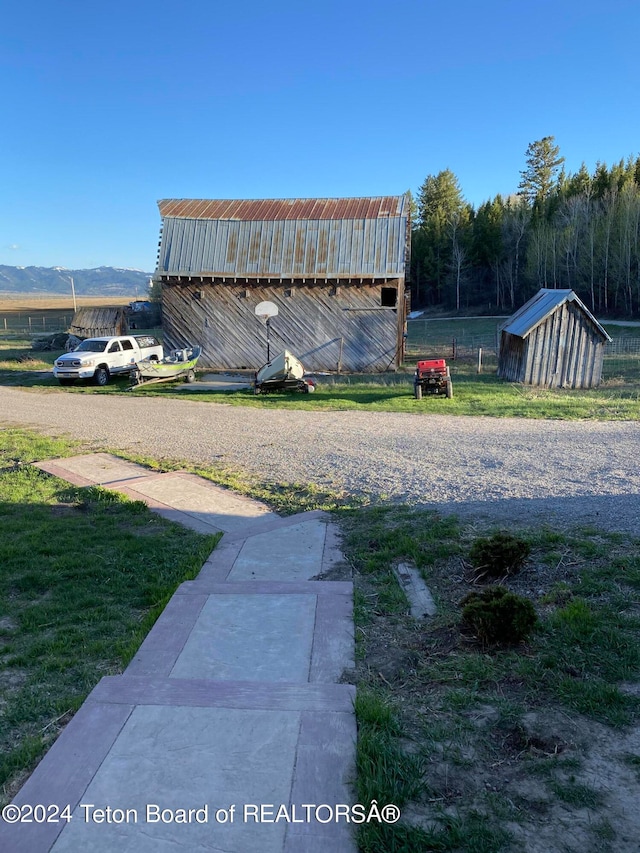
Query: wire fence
35	323
622	360
32	324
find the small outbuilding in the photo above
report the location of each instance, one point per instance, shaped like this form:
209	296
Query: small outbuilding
97	322
334	268
552	341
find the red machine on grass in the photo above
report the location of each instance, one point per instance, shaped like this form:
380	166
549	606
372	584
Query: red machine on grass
432	377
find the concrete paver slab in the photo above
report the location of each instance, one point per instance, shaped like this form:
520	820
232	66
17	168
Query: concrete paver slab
177	495
219	382
333	643
291	553
98	468
250	637
333	640
289	696
204	501
186	744
176	758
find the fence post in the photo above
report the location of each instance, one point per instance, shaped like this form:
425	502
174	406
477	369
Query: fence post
454	347
479	359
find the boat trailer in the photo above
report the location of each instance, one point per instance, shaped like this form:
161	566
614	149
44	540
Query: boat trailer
282	373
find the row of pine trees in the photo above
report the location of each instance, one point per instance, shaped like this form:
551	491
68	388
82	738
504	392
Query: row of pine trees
578	231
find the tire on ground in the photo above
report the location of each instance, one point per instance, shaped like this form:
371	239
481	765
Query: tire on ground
101	376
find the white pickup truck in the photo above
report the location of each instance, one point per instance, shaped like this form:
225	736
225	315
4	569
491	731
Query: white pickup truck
101	358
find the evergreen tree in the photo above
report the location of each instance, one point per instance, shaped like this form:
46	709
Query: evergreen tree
488	246
440	202
543	161
439	198
579	183
601	180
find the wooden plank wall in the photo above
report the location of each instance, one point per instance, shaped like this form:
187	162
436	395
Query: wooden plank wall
98	322
511	358
565	351
329	327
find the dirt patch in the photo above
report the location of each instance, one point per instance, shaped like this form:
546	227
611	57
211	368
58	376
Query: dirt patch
11	679
66	510
7	625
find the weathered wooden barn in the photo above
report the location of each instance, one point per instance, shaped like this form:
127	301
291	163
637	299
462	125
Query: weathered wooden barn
96	322
553	341
335	269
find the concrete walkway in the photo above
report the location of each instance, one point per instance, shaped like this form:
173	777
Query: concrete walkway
228	727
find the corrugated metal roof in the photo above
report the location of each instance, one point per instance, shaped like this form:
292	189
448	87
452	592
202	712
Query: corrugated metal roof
268	209
247	238
541	306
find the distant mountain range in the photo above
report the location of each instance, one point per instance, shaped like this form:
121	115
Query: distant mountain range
102	281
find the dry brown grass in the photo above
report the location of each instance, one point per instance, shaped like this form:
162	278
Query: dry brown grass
46	301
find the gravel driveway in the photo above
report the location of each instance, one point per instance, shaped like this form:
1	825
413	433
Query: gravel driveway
568	473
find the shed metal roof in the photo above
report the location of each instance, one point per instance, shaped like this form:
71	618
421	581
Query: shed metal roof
285	238
268	209
541	306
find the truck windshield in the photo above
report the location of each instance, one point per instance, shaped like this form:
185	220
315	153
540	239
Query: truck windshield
92	346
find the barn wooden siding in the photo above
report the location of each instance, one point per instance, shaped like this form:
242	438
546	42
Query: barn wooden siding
565	349
330	265
328	326
98	322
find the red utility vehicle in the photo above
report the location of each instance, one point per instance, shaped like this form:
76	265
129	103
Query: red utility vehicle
432	377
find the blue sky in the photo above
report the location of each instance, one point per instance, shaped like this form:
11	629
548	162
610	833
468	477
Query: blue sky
109	107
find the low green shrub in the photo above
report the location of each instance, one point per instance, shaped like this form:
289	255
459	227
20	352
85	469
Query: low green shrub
498	616
497	556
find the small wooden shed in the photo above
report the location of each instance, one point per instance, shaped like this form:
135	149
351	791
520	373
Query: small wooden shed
97	322
553	341
334	268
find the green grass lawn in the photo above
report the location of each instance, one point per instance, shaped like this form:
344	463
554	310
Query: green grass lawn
84	573
474	394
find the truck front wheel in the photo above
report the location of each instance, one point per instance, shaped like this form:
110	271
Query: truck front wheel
101	376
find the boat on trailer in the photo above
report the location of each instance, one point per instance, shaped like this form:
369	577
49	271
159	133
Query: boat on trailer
180	363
